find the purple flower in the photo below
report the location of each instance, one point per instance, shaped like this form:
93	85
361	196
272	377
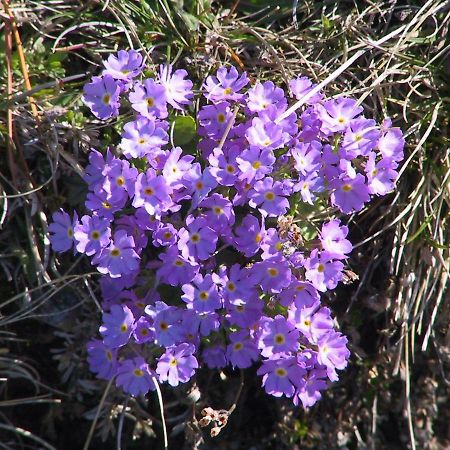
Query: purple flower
302	86
220	215
125	66
176	270
135	377
360	138
223	165
149	99
322	272
202	295
332	237
236	284
300	294
245	311
337	114
277	335
92	235
307	157
166	323
199	183
281	376
177	364
309	391
273	275
214	119
249	235
143	331
225	85
118	326
119	258
141	137
102	97
215	357
308	185
263	95
350	193
102	359
333	353
381	175
62	229
101	207
152	193
176	167
166	235
255	163
310	126
391	143
198	240
118	184
93	174
242	351
268	197
312	322
178	90
265	135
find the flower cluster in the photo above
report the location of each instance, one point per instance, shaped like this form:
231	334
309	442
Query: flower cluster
202	261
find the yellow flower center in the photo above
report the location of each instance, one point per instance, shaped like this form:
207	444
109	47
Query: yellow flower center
173	362
279	339
228	91
195	238
70	232
256	164
150	101
281	372
167	235
203	295
238	346
106	99
142	141
221	118
272	271
179	263
230	168
138	372
347	187
120	181
95	235
115	252
320	268
163	326
218	210
106	205
258	238
123	328
269	196
231	286
109	356
148	191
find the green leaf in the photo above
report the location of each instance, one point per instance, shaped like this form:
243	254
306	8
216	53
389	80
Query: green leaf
185	129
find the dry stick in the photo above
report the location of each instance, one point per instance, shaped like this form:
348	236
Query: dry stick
228	128
23	64
97	415
161	408
336	73
9	90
